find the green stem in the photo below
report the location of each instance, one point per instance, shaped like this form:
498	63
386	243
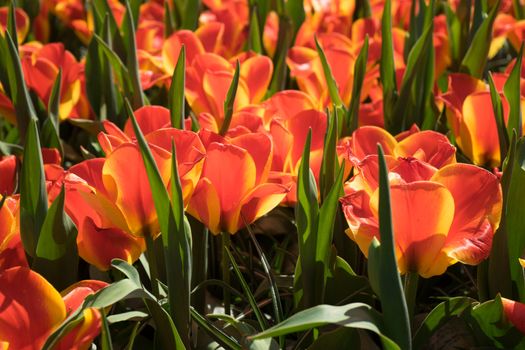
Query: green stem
226	271
153	268
411	283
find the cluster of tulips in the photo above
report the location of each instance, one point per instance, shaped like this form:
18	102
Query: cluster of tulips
359	165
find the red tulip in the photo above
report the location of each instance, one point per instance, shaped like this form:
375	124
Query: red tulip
234	183
11	249
32	309
8	166
439	216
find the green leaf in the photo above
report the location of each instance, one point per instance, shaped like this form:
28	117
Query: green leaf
284	40
497	106
24	108
127	316
355	315
33	194
191	13
50	127
56	252
417	85
341	338
352	116
333	90
230	99
176	235
491	327
383	267
330	162
11	23
476	57
246	288
216	333
513	94
132	62
121	71
440	315
166	331
105	336
254	42
176	94
295	10
386	64
306	219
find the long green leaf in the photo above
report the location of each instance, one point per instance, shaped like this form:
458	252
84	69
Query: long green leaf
352	116
386	64
33	194
388	282
333	90
176	93
246	288
476	57
56	252
254	42
306	216
512	91
230	100
497	106
217	334
132	62
355	315
175	234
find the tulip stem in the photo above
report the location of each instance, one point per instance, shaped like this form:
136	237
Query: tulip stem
411	283
226	271
152	260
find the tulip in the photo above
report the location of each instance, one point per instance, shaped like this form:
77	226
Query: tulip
8	166
22	22
11	249
41	64
233	189
32	309
209	77
439	217
117	206
514	313
428	146
471	117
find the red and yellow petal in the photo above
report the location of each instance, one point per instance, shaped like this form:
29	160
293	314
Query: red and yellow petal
422	214
477	213
149	119
428	146
98	246
31	308
366	138
205	206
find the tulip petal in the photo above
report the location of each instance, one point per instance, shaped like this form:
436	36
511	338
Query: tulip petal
515	313
477	212
422	214
257	72
7	175
205	206
130	190
149	119
428	146
232	171
98	246
259	146
366	138
31	308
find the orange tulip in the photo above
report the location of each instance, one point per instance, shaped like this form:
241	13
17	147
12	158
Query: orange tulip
234	183
22	22
439	217
11	249
224	26
8	166
118	207
32	309
471	117
514	313
289	134
209	77
154	121
41	64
